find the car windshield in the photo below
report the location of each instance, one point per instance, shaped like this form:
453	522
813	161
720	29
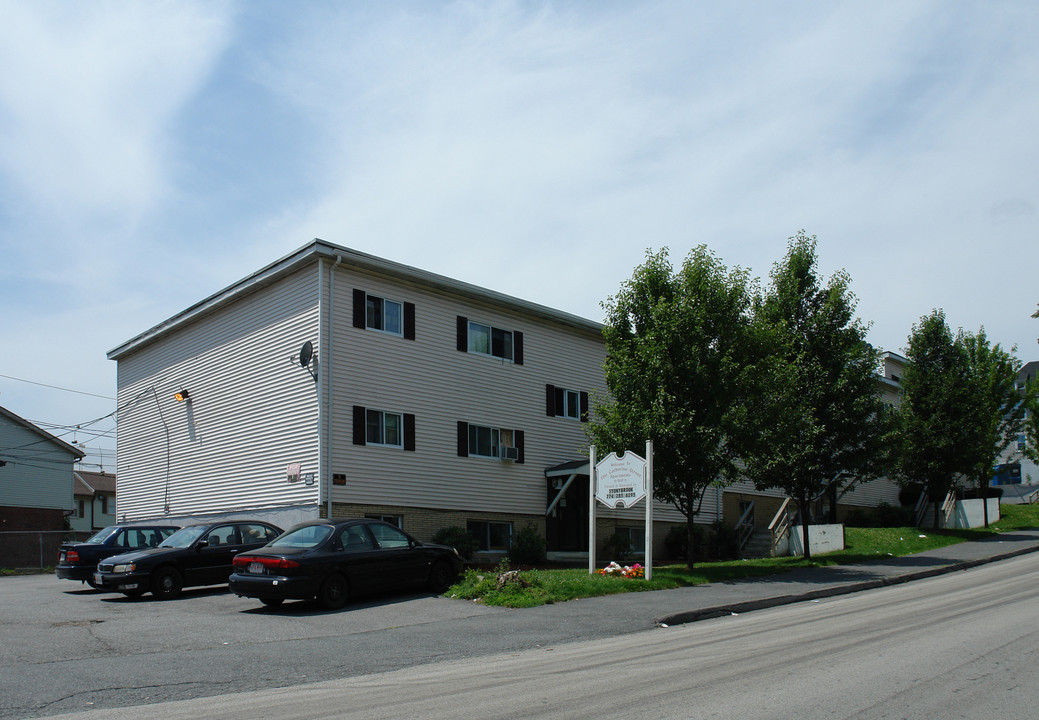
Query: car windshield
101	535
184	537
307	536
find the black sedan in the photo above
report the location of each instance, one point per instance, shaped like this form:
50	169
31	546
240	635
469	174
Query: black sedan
330	560
78	560
193	556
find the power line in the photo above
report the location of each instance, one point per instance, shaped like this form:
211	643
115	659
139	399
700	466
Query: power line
55	387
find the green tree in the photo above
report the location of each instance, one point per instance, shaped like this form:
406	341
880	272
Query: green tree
818	407
935	430
997	407
677	350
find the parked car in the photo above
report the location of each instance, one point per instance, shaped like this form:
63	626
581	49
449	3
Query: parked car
78	560
193	556
331	560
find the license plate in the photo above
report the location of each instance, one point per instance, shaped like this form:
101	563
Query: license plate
61	556
256	568
97	578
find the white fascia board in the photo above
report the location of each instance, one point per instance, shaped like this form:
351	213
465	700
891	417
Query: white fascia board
320	249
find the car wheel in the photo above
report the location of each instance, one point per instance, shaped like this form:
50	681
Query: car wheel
166	583
272	602
92	584
334	593
440	576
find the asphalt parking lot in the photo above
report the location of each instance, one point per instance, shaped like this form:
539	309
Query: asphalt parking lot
65	647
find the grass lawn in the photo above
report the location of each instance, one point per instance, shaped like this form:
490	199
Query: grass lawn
538	587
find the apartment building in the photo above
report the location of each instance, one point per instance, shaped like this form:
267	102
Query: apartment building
336	383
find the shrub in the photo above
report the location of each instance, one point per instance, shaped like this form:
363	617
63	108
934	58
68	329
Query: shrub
528	547
676	543
725	542
458	538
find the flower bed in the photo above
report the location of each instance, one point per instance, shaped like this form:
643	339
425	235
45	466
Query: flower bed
635	572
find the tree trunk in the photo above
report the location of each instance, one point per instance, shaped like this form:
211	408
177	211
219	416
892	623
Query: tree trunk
690	544
805	519
984	498
833	505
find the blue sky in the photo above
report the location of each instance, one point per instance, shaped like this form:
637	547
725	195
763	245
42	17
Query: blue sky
152	153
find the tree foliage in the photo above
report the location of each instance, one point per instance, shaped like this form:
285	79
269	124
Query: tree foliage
934	418
997	407
677	352
817	409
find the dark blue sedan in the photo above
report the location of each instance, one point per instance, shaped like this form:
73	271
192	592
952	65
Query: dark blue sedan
331	560
78	560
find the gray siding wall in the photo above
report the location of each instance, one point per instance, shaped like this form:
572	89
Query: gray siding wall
38	473
252	411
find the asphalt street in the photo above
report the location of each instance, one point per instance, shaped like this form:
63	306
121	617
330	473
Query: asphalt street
64	649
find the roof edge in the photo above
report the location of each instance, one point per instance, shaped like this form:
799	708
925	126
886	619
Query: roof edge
319	249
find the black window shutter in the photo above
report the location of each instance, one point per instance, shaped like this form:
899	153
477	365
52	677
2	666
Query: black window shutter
409	321
359	425
517	441
409	432
360	308
463	439
462	342
517	348
584	407
560	402
550	400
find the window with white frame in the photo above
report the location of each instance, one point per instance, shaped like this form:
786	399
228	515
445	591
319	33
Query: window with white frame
488	340
383	428
484	339
560	402
490	442
385	315
636	537
395	520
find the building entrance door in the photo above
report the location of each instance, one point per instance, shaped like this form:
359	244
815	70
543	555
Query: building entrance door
566	527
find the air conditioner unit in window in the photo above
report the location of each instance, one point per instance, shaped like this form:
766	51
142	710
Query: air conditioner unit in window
508	453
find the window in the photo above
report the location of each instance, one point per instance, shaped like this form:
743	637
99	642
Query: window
560	402
481	339
1022	443
82	509
636	537
372	312
484	441
394	520
385	429
385	315
490	442
104	504
490	536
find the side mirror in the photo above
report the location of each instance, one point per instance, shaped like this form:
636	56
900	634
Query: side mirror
202	544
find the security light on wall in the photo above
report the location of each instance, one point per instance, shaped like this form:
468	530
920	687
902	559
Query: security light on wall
180	395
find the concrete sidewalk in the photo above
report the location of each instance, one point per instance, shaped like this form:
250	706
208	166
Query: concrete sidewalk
718	599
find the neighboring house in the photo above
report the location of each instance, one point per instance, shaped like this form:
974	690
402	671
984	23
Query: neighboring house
1014	466
335	383
35	491
94	507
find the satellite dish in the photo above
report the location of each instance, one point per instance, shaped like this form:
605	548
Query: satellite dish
306	354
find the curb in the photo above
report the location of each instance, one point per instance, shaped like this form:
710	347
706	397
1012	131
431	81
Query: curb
691	616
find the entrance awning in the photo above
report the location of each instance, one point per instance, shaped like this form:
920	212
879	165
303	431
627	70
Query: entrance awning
574	467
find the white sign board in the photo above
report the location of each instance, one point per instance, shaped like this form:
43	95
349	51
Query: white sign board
620	480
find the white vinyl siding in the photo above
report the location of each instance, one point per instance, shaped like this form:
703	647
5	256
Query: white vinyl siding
252	409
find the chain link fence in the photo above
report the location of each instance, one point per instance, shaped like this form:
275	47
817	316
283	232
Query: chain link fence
34	549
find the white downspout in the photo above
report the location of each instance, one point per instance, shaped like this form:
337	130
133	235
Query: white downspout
330	395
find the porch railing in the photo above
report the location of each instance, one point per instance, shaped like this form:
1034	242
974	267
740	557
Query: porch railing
780	525
745	527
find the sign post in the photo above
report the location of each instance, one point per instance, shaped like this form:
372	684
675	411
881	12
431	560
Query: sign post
621	481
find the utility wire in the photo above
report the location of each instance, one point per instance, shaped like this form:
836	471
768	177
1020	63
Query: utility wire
55	387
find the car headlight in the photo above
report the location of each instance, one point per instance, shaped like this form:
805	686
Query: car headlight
126	568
